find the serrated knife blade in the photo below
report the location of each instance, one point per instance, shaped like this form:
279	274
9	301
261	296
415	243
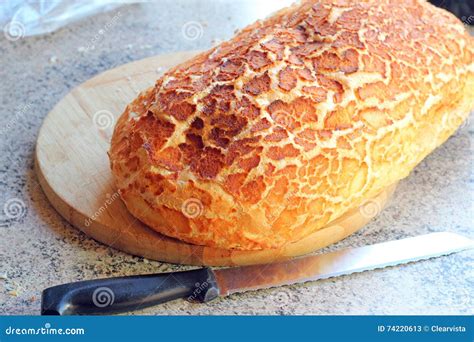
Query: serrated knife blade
338	263
121	294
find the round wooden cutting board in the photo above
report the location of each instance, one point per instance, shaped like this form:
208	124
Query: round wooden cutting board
73	168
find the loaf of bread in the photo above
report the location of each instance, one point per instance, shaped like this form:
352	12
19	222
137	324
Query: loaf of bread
300	117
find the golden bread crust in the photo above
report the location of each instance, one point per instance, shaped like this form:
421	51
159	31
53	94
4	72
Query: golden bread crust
267	137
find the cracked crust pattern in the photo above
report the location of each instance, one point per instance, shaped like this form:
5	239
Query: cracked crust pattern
294	121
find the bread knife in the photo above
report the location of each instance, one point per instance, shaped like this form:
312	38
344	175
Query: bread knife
122	294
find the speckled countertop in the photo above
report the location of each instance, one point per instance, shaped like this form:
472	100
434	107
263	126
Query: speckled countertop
39	249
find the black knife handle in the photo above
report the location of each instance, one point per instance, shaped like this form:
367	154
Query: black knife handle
121	294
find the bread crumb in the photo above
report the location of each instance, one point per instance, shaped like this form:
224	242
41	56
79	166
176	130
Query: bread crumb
10	285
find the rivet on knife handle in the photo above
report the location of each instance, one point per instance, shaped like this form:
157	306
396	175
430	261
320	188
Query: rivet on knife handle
122	294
